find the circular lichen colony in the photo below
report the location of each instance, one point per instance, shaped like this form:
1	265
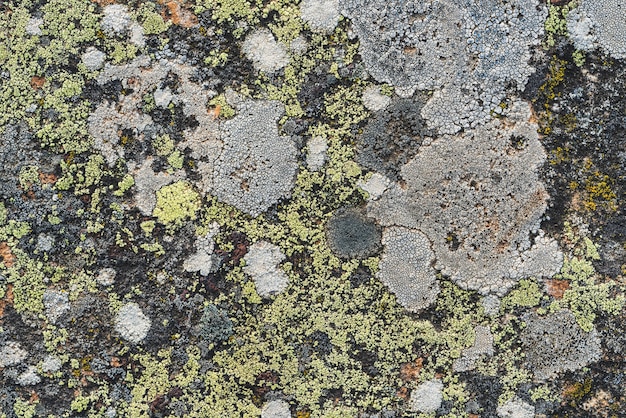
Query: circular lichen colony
392	138
352	235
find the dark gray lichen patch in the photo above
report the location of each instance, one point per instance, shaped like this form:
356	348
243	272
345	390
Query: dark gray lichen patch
350	234
392	138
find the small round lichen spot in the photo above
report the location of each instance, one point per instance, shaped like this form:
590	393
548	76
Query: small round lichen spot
321	15
516	408
266	54
131	323
276	409
427	397
350	234
175	203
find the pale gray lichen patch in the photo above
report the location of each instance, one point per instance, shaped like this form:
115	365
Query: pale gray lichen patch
264	51
321	15
406	268
427	397
106	123
147	183
262	262
106	276
483	345
375	186
93	59
478	198
555	343
50	364
374	100
516	408
12	354
276	409
316	153
116	20
131	323
599	23
28	377
33	27
257	166
56	304
203	260
143	77
467	52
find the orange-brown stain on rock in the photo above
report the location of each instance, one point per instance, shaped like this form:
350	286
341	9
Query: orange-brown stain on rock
556	288
7	256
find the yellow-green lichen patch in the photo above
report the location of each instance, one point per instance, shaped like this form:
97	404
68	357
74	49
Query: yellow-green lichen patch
176	203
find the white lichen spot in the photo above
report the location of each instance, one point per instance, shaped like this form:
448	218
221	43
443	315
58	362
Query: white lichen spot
491	304
93	59
203	259
262	265
106	276
316	153
131	323
375	186
116	20
33	27
599	23
28	377
163	97
427	397
276	409
266	54
374	100
516	408
321	15
56	304
50	364
11	354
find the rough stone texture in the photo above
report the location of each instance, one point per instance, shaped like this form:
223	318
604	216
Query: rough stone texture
555	344
257	166
131	323
406	268
262	265
477	198
468	52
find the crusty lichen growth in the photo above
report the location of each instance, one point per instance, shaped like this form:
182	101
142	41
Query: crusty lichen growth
176	203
